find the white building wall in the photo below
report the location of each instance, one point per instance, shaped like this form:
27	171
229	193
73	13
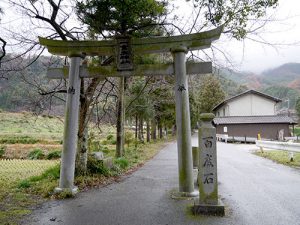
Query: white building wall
240	106
262	106
223	111
248	105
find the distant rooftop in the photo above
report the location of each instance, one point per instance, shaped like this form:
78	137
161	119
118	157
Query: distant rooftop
253	119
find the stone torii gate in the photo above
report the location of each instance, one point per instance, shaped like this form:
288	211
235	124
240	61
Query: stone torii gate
123	48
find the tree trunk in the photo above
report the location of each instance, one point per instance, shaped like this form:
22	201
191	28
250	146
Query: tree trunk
148	131
141	130
166	132
82	145
174	130
86	98
136	127
160	130
81	159
153	129
120	120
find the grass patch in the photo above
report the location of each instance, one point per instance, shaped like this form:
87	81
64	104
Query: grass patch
15	170
14	202
121	162
2	151
29	128
36	154
21	151
18	140
42	185
281	157
54	155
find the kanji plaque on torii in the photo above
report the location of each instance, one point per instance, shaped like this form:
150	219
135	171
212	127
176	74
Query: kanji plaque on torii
123	49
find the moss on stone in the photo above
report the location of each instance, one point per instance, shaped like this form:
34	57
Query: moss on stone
142	45
207	116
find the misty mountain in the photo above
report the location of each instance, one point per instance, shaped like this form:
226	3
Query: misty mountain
282	82
285	75
248	79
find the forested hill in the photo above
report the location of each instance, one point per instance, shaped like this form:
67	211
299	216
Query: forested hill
286	74
282	82
21	90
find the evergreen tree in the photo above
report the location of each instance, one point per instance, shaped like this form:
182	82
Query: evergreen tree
115	17
210	94
205	97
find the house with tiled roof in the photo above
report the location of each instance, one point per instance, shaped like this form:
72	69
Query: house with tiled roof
251	113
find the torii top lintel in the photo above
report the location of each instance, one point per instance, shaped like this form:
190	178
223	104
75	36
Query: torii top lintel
195	41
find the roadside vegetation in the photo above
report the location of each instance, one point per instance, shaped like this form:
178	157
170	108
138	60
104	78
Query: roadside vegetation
30	151
281	157
297	132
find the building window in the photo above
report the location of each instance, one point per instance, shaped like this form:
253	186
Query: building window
218	114
223	111
225	129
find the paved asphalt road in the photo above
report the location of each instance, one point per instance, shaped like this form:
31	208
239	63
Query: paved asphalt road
255	191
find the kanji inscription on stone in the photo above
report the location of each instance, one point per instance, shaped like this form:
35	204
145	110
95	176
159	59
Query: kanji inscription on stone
207	174
124	56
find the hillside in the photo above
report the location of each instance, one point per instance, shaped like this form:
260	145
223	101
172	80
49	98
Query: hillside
282	82
286	75
248	79
21	90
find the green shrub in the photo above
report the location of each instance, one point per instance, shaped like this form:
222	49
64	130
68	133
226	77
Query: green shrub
18	140
95	166
113	142
54	155
24	184
36	154
2	151
104	142
109	137
121	162
52	173
104	149
49	175
129	138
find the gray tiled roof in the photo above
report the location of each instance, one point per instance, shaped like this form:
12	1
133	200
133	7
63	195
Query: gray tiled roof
253	119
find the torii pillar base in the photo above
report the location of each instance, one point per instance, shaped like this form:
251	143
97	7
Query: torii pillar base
72	191
208	209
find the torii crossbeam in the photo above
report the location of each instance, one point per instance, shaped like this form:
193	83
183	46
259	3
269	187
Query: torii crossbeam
141	70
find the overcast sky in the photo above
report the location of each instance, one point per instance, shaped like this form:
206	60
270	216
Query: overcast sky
248	55
283	32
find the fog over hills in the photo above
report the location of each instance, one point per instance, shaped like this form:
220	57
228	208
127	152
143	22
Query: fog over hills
282	81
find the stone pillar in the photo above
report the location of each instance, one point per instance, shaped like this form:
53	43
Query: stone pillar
120	120
183	123
195	151
67	169
207	169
